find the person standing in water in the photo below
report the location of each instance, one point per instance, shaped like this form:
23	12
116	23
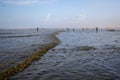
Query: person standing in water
82	29
96	29
37	29
73	29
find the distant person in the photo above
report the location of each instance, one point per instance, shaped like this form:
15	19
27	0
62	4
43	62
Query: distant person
37	29
67	29
82	29
73	29
96	29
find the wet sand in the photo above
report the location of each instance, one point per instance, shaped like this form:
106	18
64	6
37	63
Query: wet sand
74	59
18	62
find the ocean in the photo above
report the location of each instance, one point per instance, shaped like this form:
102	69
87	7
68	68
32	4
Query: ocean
17	44
82	55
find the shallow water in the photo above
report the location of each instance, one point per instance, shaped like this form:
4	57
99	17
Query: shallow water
16	45
80	56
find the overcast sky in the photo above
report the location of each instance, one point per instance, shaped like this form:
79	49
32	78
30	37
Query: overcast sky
59	13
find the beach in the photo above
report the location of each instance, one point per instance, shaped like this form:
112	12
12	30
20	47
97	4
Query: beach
19	48
82	55
59	39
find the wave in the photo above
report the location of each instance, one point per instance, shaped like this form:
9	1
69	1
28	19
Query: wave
17	36
6	33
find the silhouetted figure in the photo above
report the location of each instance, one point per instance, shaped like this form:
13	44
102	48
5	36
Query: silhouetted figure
67	29
82	29
37	29
96	29
73	29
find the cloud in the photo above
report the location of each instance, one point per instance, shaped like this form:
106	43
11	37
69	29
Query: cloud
48	17
21	2
25	2
82	16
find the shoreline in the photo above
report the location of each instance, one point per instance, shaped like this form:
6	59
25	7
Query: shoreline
27	62
81	55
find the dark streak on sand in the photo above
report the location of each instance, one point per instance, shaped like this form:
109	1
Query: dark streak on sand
26	63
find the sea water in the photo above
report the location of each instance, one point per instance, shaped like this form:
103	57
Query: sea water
82	55
17	44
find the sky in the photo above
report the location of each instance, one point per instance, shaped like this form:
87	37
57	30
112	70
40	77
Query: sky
59	13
